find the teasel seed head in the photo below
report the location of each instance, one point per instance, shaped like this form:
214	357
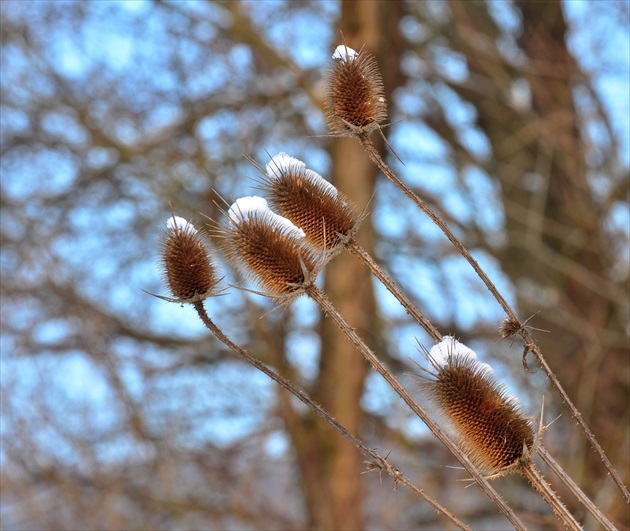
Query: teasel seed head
488	422
187	270
327	217
268	248
509	327
354	103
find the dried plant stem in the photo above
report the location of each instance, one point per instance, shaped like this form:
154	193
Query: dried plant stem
376	270
322	300
530	343
528	469
574	488
376	461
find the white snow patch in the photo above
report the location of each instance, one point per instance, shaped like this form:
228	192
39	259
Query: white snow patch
175	222
283	163
449	346
244	205
286	224
316	178
256	204
344	53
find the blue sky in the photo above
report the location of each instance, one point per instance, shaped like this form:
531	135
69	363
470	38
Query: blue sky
106	40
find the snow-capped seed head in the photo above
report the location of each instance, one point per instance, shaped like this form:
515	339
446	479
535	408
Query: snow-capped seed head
488	422
354	103
269	249
344	53
187	270
308	200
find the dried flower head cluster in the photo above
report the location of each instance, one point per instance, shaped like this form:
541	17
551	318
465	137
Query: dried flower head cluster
354	103
188	272
488	422
301	195
268	248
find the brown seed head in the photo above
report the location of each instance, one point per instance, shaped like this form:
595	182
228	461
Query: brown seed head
268	249
188	272
489	424
301	195
509	327
354	103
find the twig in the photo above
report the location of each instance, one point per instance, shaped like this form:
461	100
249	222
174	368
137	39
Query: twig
574	488
530	344
322	300
528	469
412	310
376	461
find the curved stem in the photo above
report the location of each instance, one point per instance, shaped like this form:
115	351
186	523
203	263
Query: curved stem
530	344
376	461
322	300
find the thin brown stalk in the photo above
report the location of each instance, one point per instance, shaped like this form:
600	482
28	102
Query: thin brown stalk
528	469
376	461
574	488
322	300
530	343
376	270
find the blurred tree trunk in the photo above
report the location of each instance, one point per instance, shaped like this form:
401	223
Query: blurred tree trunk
331	467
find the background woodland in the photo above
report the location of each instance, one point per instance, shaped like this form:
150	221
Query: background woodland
120	411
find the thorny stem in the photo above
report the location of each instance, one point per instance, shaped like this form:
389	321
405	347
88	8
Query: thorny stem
376	461
322	300
574	488
530	343
529	470
412	310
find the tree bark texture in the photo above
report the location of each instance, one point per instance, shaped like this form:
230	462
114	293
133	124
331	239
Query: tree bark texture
330	466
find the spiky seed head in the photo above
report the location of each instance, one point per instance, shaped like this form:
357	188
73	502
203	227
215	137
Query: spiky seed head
187	270
354	103
509	327
268	248
488	422
303	196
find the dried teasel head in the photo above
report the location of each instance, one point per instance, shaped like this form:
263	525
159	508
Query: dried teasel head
327	217
509	327
488	422
354	103
268	248
187	271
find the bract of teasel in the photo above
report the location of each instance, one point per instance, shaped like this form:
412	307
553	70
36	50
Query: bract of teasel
188	272
327	217
268	249
486	420
354	102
